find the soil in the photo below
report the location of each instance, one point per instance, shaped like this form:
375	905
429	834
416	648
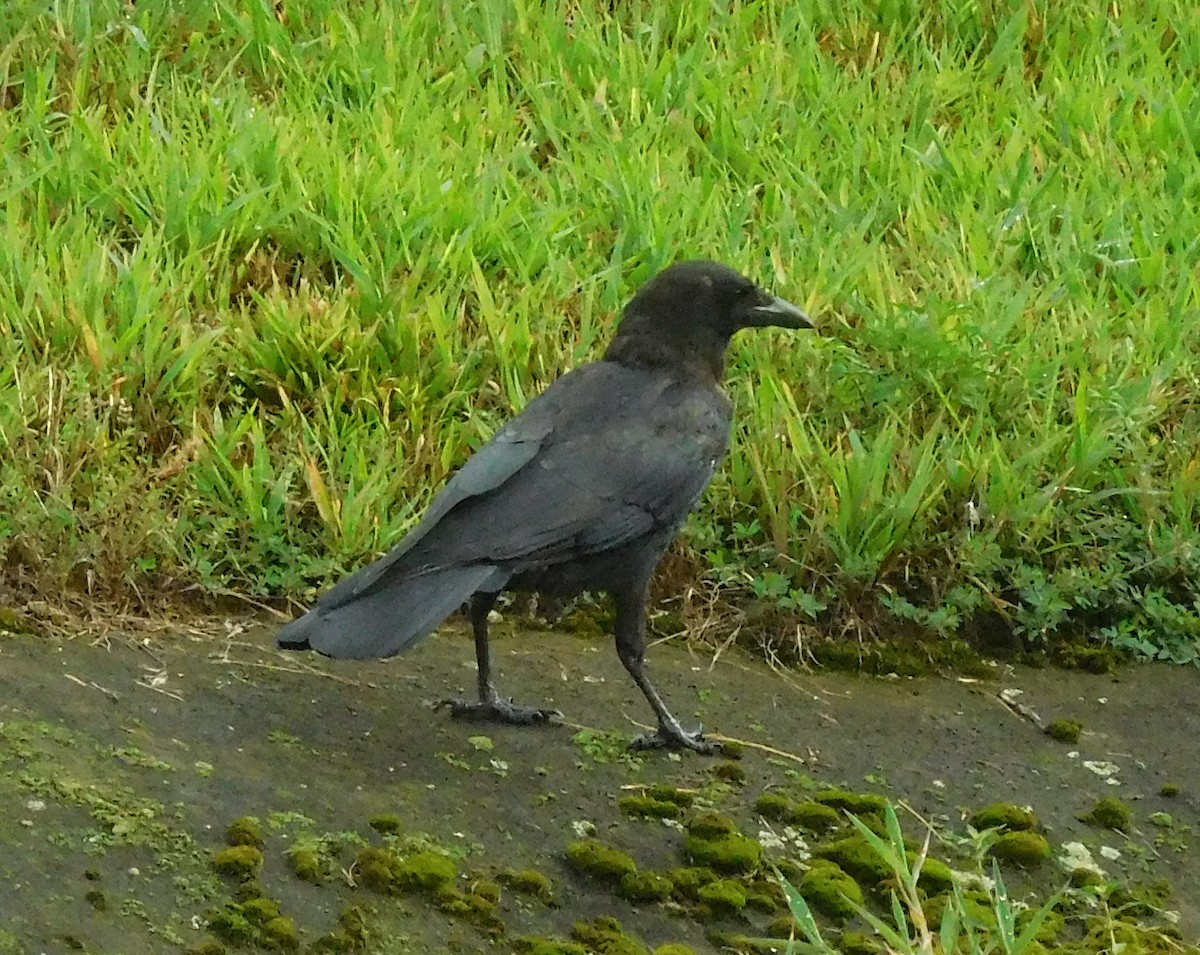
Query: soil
123	763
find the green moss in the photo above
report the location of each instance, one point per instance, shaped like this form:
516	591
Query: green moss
1096	660
1140	899
730	773
791	870
1109	813
547	946
1106	934
96	899
280	934
1065	731
766	895
527	882
470	907
857	803
1082	878
238	862
229	924
260	910
209	947
854	855
665	793
387	824
376	869
1005	816
246	831
486	889
1170	790
976	906
250	889
688	881
710	825
935	876
649	806
810	815
599	860
784	927
774	806
425	872
353	922
674	948
645	887
828	889
859	943
1026	849
1052	926
606	936
731	854
306	863
731	749
723	897
334	943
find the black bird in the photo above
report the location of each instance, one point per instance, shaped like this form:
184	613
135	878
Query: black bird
583	490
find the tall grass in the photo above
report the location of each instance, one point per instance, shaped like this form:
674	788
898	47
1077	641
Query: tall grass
270	271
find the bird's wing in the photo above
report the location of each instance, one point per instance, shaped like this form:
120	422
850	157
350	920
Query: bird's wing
509	450
602	457
630	452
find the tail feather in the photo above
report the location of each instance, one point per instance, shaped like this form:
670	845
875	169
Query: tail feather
388	620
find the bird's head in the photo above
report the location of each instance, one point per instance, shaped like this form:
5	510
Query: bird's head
703	293
693	309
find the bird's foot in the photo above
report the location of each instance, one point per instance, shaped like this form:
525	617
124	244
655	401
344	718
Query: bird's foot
675	737
498	711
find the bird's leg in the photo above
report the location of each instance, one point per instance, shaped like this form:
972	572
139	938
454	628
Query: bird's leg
491	708
631	648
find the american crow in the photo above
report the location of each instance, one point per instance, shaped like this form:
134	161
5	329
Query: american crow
583	490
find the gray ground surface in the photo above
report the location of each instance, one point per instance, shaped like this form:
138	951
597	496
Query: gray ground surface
121	766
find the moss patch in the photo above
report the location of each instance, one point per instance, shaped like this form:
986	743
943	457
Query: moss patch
828	889
386	824
426	872
809	814
665	793
688	881
238	862
723	897
527	882
246	831
648	806
645	887
280	934
711	825
860	804
600	860
547	946
854	855
1065	731
1026	849
1109	813
1005	816
306	862
606	936
732	854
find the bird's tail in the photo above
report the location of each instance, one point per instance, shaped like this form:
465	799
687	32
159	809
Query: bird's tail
386	620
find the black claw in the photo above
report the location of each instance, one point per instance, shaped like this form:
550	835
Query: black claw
498	711
664	738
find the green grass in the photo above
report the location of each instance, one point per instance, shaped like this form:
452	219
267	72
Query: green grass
270	272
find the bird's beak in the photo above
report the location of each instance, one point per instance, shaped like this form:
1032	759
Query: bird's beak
772	310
